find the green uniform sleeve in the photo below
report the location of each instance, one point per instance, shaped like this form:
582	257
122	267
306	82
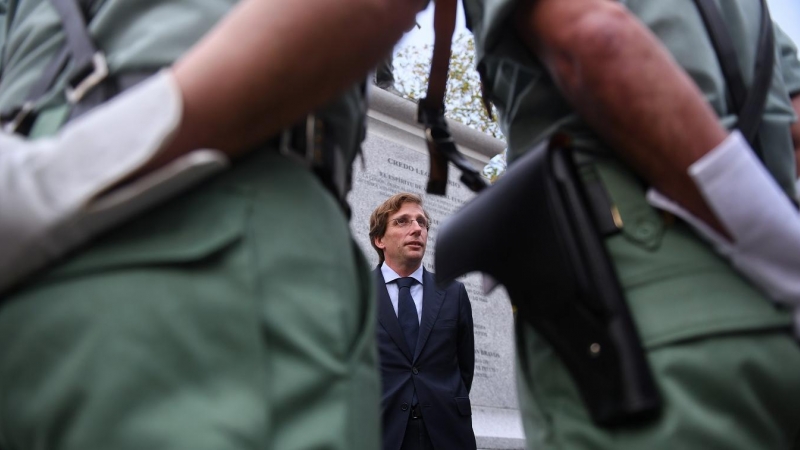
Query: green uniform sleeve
490	22
789	64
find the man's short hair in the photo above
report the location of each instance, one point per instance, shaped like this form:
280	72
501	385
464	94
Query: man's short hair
380	217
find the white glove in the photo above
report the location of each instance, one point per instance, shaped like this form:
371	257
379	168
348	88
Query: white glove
762	221
53	191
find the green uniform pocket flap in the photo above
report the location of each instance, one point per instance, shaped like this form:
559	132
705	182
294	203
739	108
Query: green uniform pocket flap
676	286
185	230
683	290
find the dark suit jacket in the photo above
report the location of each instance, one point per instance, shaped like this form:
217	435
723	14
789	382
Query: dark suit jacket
441	368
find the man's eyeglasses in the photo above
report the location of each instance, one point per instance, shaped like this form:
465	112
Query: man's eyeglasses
403	222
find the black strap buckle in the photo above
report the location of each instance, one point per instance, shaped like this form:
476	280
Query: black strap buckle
299	143
78	86
19	118
442	150
314	147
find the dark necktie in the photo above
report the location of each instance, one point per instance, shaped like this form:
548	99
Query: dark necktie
407	312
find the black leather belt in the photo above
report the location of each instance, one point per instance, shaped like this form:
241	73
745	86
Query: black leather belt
416	412
314	146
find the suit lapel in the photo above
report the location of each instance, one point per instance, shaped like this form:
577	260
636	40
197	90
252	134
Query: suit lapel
388	318
432	299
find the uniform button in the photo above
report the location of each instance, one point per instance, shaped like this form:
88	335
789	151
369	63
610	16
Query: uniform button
404	406
645	229
414	370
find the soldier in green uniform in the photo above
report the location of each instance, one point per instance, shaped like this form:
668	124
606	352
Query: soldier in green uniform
237	314
614	76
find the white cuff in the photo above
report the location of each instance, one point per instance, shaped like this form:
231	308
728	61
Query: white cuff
52	191
763	222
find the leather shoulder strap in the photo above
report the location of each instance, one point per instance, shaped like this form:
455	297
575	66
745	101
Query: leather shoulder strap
749	106
87	70
430	113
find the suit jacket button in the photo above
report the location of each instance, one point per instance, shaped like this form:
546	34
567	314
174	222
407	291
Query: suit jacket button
414	370
404	406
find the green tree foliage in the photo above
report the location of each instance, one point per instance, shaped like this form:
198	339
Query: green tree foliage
463	102
496	167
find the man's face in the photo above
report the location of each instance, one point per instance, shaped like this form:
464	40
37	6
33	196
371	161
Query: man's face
404	246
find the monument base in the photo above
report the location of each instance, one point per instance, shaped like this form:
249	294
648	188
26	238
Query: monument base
497	428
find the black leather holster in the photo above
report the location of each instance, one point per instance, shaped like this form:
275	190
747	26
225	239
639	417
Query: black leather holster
534	233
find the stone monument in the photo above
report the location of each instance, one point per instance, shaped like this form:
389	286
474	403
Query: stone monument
395	160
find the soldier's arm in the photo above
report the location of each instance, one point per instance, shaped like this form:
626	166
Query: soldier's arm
269	62
624	83
262	67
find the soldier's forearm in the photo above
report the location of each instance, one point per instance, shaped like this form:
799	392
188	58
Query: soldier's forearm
269	62
625	84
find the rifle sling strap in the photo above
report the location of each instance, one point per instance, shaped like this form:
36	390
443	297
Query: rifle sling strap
88	68
749	106
441	146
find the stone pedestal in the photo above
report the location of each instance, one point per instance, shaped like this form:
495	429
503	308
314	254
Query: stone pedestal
395	160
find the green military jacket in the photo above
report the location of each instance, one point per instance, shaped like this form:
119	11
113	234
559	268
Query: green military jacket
136	36
234	316
657	261
531	107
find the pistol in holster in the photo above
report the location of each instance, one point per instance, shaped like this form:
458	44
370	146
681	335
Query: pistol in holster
534	232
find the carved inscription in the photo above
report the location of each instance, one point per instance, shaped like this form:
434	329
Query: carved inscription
486	362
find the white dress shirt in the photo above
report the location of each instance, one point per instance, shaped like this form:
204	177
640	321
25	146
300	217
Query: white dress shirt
390	275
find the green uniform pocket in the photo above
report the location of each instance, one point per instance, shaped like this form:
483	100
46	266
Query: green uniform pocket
677	287
185	230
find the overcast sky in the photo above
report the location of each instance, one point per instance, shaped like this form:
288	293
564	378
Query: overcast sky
785	12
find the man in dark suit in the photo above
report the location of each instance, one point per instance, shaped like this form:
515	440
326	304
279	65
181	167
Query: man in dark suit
425	337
